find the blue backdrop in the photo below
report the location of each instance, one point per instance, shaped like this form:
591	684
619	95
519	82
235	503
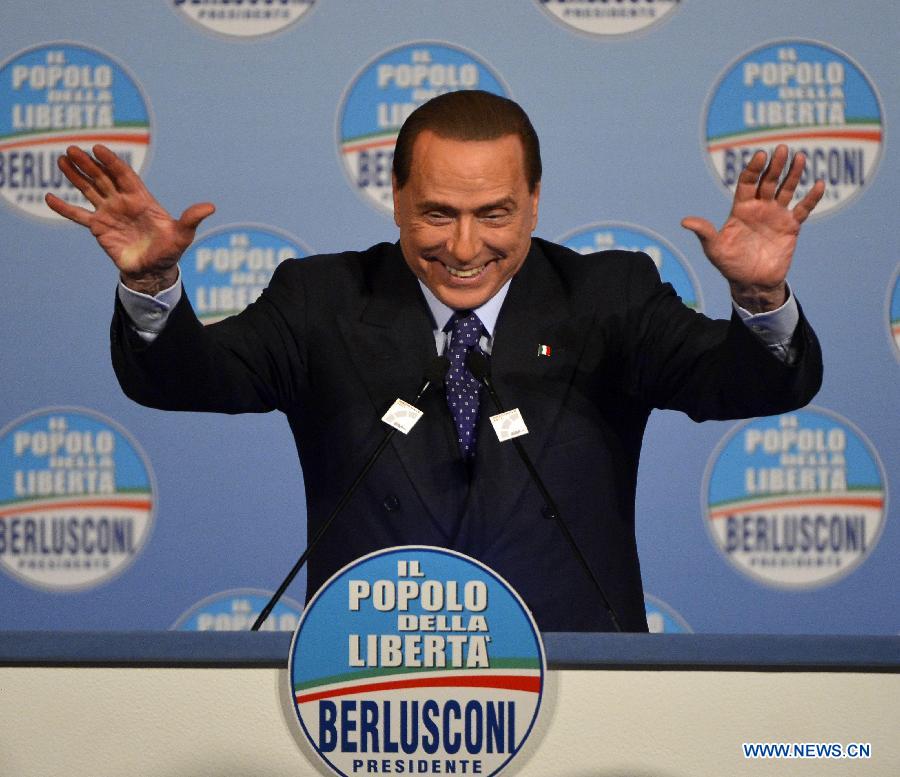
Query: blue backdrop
289	132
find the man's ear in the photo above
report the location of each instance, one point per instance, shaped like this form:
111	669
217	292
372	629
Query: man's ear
396	193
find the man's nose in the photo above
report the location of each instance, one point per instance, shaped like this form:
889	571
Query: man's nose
465	244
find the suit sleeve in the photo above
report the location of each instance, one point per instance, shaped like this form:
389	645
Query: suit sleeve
251	362
681	360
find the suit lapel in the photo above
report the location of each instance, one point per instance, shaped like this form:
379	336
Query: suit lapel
391	343
534	314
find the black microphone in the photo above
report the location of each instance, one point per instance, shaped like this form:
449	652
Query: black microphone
434	373
478	366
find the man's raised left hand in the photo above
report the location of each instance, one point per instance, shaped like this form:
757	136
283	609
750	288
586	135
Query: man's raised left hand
755	246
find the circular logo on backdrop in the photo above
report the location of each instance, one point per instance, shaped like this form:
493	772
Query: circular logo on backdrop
76	499
385	92
237	610
808	95
417	660
611	235
797	500
894	312
609	17
243	18
56	95
227	269
662	618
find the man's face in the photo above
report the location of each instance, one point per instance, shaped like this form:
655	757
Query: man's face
465	216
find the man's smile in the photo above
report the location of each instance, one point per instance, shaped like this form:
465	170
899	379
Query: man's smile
470	273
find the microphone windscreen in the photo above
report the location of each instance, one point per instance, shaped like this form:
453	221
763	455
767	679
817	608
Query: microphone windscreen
436	371
477	364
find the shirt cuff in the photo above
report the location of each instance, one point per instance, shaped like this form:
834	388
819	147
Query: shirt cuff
775	327
149	314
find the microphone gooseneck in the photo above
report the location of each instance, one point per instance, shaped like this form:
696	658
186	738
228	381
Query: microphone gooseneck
480	369
434	373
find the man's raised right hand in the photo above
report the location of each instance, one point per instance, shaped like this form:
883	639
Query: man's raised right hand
137	233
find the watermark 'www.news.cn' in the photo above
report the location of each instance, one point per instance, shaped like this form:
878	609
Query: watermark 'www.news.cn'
807	750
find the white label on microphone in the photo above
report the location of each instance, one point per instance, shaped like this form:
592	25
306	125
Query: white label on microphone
402	416
509	424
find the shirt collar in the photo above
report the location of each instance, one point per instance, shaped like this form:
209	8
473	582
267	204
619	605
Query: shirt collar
487	313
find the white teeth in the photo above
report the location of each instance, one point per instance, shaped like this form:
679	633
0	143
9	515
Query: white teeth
464	273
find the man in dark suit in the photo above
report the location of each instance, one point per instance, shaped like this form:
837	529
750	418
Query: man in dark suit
585	347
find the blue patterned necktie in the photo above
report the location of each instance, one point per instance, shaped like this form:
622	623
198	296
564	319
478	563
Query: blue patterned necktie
462	388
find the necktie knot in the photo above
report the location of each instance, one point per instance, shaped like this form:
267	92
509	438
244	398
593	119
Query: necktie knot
466	331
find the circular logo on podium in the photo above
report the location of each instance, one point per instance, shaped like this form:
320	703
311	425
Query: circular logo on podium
227	269
417	660
797	500
57	95
76	499
807	95
384	93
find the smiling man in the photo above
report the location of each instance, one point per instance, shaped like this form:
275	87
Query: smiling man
585	346
466	214
466	195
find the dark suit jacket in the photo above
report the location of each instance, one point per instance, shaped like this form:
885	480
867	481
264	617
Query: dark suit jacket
335	339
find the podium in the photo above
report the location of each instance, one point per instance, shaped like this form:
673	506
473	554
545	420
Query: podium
185	704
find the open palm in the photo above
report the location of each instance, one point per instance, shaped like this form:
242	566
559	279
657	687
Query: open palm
143	240
754	248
